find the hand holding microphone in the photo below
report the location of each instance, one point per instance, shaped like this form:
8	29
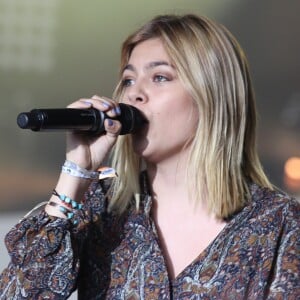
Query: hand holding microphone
73	119
98	120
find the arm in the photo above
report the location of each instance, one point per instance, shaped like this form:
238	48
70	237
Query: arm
44	249
45	252
41	254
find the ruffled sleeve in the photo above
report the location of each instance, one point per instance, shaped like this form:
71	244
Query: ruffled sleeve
45	251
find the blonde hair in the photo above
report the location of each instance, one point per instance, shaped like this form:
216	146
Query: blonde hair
213	68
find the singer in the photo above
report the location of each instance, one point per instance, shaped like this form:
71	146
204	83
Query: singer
184	209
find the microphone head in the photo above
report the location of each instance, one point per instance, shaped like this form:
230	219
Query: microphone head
131	119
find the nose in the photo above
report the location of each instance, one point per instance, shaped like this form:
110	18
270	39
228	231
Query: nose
136	94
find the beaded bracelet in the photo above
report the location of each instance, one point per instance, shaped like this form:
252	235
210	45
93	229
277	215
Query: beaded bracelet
65	211
72	204
68	207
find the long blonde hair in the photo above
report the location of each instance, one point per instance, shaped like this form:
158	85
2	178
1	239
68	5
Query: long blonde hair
213	68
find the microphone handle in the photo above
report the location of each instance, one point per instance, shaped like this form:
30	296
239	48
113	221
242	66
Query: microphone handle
80	120
65	119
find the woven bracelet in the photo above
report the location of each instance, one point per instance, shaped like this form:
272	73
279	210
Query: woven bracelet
73	169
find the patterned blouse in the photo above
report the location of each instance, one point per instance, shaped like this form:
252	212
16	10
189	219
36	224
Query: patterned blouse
255	256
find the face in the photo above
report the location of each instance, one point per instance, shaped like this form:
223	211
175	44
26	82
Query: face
151	83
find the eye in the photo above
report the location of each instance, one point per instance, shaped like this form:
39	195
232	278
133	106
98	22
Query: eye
160	78
126	82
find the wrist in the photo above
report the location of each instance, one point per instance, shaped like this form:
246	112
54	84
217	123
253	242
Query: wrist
62	206
74	187
75	170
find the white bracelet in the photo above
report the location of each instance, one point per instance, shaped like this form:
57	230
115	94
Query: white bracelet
73	169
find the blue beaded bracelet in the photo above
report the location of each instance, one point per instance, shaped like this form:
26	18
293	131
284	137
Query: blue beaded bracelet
67	213
67	200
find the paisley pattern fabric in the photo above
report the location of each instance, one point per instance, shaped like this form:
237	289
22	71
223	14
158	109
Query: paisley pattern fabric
256	255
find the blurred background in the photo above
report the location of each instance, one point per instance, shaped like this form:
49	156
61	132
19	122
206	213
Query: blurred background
53	52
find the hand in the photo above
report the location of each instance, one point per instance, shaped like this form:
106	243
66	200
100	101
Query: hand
90	151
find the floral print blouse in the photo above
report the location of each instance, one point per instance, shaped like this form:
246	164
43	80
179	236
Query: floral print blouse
256	255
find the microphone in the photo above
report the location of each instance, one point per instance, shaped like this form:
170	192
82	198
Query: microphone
79	120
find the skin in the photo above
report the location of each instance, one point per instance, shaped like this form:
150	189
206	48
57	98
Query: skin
85	151
152	85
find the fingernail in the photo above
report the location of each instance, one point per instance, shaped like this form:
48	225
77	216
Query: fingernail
118	110
105	104
110	122
87	102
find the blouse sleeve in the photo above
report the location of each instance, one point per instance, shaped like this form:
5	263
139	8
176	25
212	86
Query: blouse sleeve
285	283
44	252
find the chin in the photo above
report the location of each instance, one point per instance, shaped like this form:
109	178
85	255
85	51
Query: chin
140	151
143	151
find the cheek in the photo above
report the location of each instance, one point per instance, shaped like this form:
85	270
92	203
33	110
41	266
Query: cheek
183	122
183	114
171	127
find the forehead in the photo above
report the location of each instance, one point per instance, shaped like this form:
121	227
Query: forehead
147	51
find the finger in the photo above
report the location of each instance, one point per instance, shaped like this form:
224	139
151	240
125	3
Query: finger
111	107
112	127
95	101
81	103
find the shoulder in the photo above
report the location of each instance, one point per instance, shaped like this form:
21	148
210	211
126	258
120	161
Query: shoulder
269	213
274	200
274	208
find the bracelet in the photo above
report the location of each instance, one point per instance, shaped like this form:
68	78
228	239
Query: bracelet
73	169
66	212
68	208
72	204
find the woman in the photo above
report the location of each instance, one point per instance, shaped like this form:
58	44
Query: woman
191	214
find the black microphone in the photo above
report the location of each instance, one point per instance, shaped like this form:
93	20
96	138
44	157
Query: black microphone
82	120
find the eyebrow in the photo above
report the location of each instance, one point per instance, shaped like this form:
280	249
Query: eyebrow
150	65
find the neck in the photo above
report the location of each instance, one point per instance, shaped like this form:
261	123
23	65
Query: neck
168	176
169	184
